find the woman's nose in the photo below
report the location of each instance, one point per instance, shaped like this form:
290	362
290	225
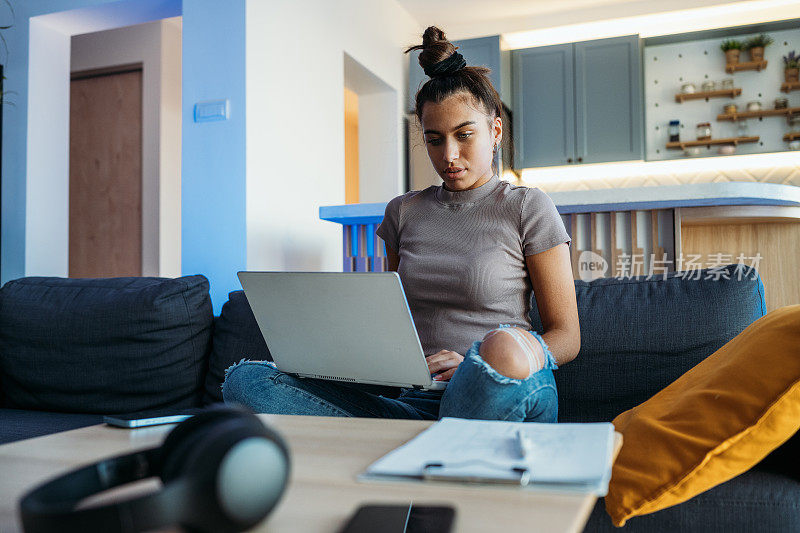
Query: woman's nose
450	152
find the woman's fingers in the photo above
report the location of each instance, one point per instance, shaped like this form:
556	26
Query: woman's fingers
444	360
445	376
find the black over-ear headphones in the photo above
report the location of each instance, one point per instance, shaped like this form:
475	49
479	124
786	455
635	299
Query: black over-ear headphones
222	470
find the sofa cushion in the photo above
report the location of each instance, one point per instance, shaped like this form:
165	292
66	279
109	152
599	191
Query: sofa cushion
236	336
638	335
757	500
716	421
104	346
18	424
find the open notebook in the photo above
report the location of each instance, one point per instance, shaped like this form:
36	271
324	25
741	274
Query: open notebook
569	457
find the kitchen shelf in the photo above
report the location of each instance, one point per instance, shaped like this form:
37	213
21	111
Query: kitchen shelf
791	136
732	93
789	86
748	65
760	113
680	145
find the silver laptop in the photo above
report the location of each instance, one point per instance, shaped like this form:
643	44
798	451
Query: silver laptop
341	326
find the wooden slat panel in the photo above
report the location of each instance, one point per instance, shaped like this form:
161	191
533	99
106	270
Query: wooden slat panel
637	253
347	257
677	237
778	244
658	250
573	220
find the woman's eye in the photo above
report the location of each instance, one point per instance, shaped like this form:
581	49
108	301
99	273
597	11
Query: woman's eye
435	142
464	135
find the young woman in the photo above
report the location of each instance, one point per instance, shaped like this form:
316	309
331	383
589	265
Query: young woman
468	252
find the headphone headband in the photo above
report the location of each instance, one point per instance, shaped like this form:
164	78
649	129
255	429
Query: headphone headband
52	506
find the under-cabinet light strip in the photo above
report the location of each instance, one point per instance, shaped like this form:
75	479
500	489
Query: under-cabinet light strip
651	25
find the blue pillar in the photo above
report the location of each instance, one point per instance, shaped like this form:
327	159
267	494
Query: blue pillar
214	227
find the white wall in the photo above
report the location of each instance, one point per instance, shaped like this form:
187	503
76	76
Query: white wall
47	159
157	47
295	121
170	132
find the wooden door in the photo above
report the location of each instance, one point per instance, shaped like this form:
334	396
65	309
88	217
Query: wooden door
105	175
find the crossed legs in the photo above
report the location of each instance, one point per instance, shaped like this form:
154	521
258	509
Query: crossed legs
502	377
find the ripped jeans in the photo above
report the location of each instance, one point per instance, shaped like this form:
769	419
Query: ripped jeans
476	390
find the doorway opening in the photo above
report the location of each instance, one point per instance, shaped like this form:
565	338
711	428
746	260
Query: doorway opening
125	151
350	146
55	41
373	106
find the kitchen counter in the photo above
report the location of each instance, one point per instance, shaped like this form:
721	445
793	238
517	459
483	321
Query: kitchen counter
619	199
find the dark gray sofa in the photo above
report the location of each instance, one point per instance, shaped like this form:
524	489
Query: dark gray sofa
71	351
640	335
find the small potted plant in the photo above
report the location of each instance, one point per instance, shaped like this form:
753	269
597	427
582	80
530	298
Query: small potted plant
791	63
756	46
732	49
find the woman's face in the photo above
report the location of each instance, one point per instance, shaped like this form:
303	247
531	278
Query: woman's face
460	138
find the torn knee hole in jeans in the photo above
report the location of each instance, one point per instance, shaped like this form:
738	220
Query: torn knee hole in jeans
244	361
537	361
486	368
535	358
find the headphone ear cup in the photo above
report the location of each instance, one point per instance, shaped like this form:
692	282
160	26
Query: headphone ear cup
183	439
237	468
251	477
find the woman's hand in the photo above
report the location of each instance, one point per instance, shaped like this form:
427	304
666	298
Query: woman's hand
444	363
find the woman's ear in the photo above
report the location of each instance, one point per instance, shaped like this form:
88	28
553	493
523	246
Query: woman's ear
497	130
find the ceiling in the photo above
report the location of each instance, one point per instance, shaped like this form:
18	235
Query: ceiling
462	19
459	12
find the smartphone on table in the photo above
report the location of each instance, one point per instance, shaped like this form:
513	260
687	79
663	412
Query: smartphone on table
393	518
150	418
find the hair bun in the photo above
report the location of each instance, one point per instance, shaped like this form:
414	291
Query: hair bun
433	35
438	56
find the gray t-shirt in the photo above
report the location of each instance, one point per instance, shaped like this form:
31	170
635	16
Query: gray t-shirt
462	257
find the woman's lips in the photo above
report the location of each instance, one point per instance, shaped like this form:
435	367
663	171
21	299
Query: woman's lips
454	173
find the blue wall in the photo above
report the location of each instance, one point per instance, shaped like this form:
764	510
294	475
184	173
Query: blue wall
214	230
213	183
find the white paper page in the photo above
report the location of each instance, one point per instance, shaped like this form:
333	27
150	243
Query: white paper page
561	453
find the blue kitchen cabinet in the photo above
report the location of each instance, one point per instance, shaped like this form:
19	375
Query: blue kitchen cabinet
484	52
578	103
544	106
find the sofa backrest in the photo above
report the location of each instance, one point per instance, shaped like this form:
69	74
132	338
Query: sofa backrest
638	335
236	337
104	346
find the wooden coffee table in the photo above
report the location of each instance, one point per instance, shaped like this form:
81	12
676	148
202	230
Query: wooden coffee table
327	455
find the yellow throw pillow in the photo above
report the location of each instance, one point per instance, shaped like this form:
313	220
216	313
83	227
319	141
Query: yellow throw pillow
716	421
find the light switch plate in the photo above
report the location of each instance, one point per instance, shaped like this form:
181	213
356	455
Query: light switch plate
211	110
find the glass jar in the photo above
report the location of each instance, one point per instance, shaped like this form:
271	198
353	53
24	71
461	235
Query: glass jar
727	83
794	122
730	109
781	103
741	128
674	131
688	88
709	86
703	131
